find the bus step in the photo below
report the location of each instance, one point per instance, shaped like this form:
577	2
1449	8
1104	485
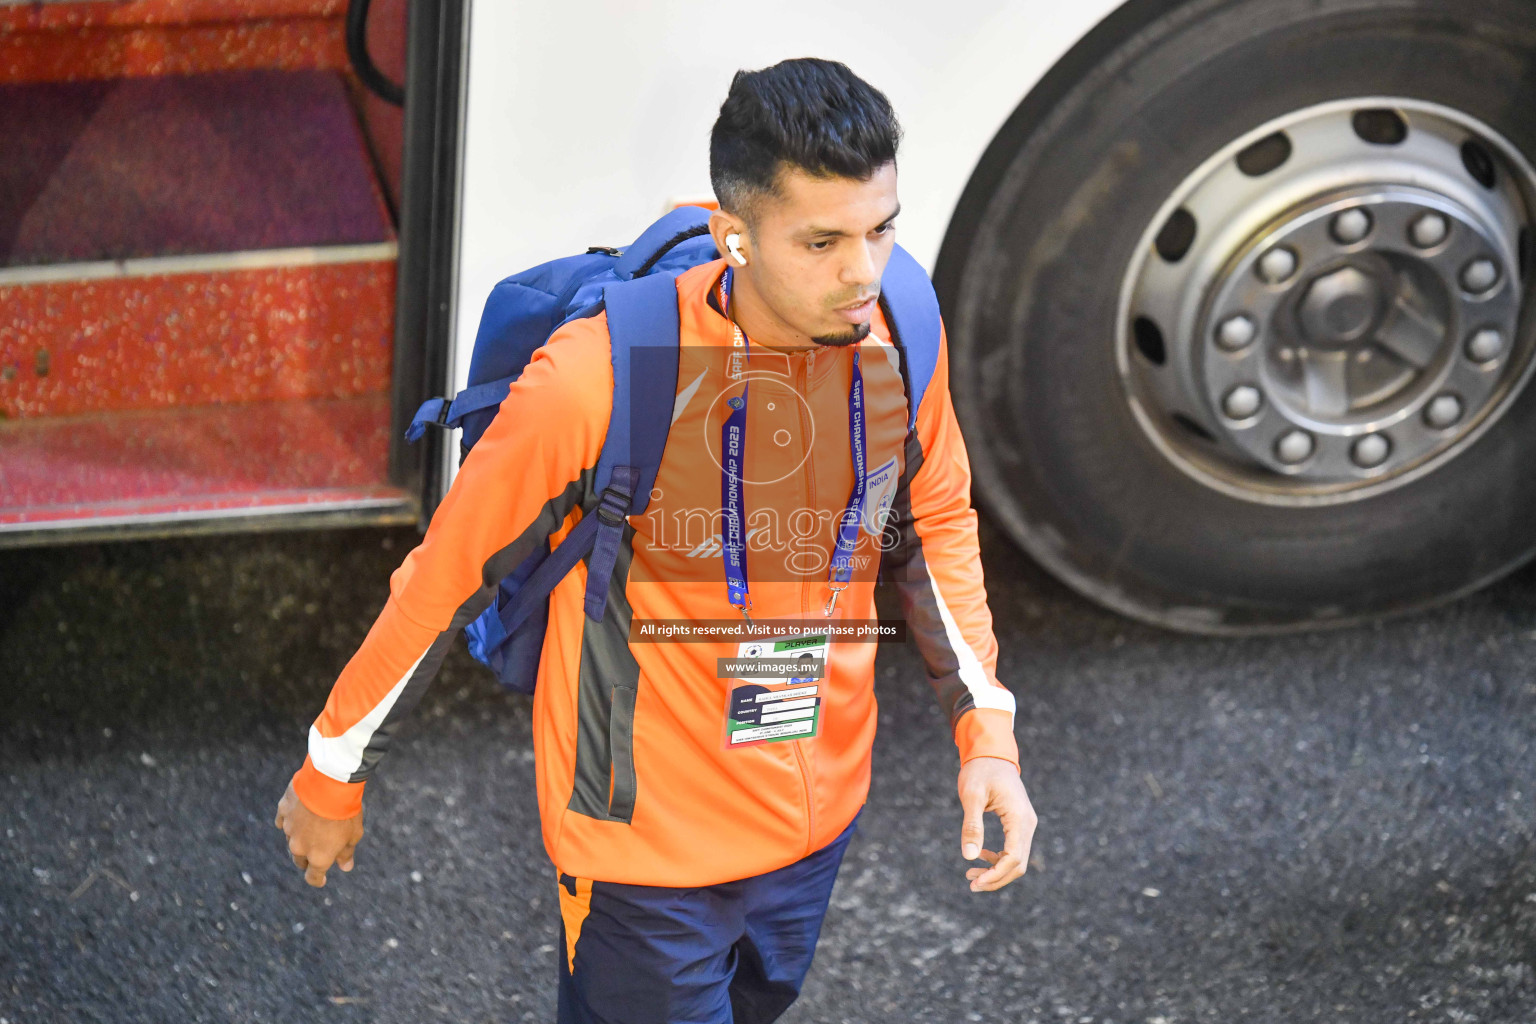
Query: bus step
159	469
176	240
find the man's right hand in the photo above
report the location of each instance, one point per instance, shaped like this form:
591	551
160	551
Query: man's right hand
315	842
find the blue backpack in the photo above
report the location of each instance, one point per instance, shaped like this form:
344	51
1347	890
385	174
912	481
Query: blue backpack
637	287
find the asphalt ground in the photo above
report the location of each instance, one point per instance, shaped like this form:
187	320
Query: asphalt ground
1331	827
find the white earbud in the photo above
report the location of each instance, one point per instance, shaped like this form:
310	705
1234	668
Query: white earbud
733	246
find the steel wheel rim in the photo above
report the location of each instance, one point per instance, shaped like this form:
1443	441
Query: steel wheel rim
1335	298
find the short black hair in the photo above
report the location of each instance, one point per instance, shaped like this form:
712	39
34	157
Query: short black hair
812	114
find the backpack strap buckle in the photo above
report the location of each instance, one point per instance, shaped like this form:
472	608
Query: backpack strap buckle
610	514
614	506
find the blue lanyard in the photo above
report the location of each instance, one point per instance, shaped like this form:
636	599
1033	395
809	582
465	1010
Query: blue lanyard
733	447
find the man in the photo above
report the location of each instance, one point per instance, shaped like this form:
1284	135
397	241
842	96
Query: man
696	822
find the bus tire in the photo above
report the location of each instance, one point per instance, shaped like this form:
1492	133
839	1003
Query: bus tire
1033	277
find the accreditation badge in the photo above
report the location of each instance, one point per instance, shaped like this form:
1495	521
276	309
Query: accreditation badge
879	490
774	687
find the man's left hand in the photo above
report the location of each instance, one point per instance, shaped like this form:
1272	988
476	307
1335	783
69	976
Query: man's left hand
992	784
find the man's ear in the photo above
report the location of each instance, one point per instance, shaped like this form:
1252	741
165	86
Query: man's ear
722	224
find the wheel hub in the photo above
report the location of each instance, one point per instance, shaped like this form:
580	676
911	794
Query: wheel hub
1339	306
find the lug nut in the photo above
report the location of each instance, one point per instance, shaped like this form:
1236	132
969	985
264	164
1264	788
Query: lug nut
1235	332
1277	264
1294	447
1370	450
1428	230
1485	345
1351	226
1479	275
1442	411
1242	402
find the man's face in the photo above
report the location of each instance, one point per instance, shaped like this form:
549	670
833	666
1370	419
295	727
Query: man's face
819	249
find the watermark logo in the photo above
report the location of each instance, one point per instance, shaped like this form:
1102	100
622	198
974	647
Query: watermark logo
784	516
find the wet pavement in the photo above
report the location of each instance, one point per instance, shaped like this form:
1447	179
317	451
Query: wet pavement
1332	827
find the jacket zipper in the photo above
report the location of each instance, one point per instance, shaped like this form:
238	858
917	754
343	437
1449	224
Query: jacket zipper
805	768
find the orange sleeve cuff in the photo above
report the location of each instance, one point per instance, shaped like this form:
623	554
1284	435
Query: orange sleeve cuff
986	732
324	795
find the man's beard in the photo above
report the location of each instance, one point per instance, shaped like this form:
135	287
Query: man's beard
857	334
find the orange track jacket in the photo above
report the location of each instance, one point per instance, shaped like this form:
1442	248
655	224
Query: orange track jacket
635	783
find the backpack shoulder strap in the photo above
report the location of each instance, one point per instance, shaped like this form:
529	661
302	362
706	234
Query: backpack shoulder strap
643	331
912	313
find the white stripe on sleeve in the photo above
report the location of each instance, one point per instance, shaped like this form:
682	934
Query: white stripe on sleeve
340	756
972	673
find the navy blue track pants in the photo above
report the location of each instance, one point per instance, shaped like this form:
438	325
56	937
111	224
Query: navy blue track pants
733	953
